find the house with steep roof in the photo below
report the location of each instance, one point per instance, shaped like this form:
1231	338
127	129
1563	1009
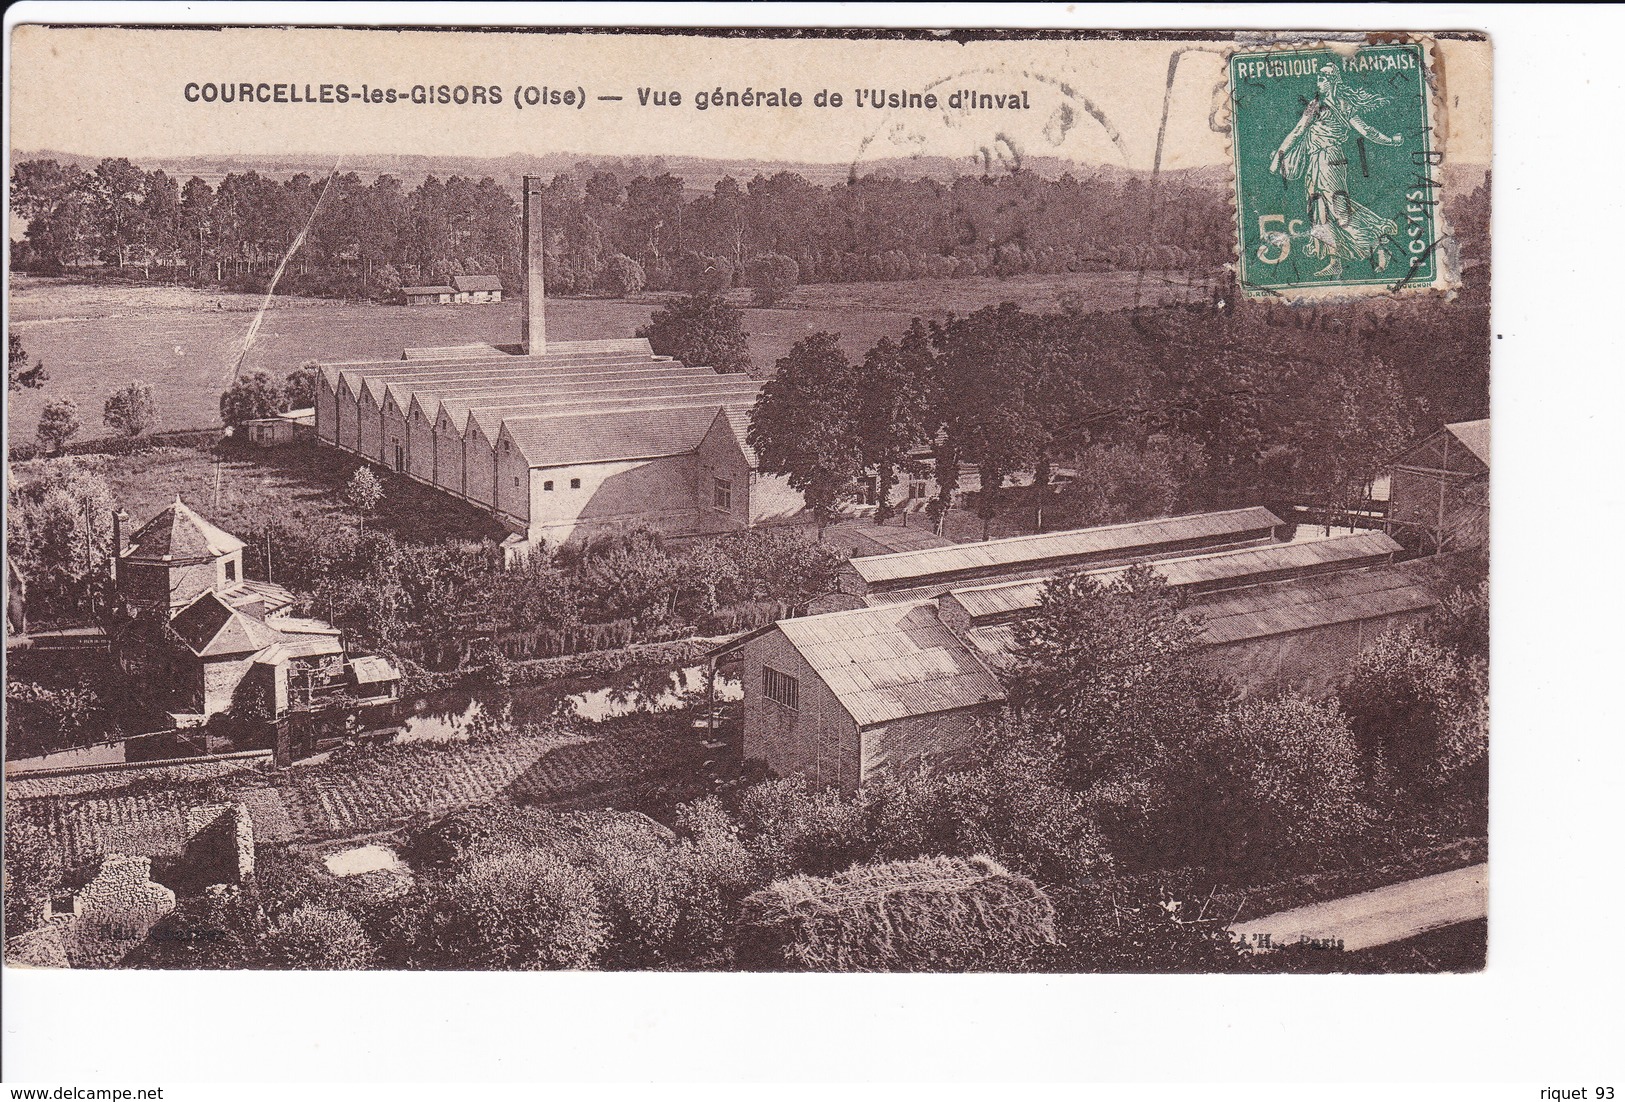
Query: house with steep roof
563	437
194	635
911	675
1439	488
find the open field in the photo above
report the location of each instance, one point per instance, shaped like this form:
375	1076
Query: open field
251	488
94	337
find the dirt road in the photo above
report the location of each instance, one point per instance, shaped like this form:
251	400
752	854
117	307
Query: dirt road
1393	913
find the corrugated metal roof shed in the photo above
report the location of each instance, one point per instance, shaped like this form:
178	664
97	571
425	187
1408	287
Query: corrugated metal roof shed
1221	569
887	663
915	567
1301	603
1275	608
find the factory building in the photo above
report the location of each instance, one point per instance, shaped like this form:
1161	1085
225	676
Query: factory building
560	438
847	696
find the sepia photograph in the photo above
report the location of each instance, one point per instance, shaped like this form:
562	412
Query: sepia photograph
750	501
1065	556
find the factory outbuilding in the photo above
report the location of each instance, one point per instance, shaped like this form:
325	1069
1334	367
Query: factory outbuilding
911	676
560	438
1439	490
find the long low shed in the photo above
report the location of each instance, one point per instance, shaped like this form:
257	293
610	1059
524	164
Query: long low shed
928	572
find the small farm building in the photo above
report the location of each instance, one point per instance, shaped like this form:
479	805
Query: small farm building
285	428
476	288
428	296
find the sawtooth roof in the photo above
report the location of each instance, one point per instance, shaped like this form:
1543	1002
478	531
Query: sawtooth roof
178	534
579	402
890	662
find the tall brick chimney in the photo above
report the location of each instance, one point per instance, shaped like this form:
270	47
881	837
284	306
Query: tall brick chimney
535	331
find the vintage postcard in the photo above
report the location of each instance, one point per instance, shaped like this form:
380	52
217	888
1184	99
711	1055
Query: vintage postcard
834	501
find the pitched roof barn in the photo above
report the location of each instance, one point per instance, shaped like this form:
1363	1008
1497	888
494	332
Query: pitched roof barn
893	661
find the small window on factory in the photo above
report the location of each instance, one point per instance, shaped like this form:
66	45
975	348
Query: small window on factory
516	480
575	484
548	485
231	570
722	493
781	688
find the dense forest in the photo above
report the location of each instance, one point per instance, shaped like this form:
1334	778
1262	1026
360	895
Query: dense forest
606	232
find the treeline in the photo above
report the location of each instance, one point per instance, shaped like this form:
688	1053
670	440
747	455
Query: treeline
1178	408
606	231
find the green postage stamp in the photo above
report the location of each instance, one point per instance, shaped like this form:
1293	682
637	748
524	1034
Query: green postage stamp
1338	170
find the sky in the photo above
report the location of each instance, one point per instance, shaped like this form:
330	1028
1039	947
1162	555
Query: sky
123	92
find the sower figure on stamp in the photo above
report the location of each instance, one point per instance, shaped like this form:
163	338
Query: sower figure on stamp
1341	229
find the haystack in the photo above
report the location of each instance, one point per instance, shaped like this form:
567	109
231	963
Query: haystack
937	914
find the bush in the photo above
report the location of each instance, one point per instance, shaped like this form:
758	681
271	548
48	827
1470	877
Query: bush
939	914
1291	781
1420	708
130	411
318	938
529	909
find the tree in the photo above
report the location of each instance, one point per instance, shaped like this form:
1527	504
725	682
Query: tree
528	909
803	424
299	387
58	423
1290	777
1420	707
1110	672
701	331
623	276
130	410
19	376
389	282
364	492
699	274
249	398
892	416
771	277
